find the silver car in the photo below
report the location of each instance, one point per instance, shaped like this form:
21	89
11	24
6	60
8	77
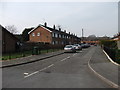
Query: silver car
69	48
77	47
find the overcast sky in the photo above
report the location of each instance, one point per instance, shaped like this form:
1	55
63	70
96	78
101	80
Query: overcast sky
98	18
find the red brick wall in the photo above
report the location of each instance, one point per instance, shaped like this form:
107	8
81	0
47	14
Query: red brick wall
45	35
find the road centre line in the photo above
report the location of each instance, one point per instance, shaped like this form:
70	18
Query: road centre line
50	65
68	57
28	75
65	58
31	74
38	71
74	54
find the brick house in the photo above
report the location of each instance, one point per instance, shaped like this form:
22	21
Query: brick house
40	34
9	41
45	34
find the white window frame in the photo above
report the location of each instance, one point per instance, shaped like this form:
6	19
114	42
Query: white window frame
38	34
53	42
53	35
56	35
62	36
59	35
33	34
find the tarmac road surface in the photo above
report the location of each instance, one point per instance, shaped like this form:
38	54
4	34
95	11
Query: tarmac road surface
69	70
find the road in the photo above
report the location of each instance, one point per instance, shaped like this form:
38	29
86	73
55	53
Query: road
69	70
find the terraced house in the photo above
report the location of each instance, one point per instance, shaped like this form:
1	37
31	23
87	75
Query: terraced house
45	34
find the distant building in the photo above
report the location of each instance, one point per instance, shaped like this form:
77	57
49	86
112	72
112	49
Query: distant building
9	41
45	34
117	38
92	42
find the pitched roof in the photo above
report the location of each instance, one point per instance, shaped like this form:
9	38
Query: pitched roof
55	30
52	30
39	26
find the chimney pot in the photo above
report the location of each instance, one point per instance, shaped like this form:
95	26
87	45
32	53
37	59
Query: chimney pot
59	29
54	27
45	24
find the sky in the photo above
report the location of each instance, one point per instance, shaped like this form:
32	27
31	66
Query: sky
98	18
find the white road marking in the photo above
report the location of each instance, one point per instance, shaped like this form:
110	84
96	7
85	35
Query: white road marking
68	57
26	73
74	54
110	59
65	58
31	74
103	78
38	71
50	65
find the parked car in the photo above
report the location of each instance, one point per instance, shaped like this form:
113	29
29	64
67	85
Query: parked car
69	48
85	45
77	47
82	45
95	44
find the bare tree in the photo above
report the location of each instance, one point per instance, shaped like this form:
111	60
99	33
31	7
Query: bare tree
11	29
92	37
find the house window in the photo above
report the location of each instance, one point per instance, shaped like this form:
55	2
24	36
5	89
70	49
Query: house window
53	42
62	42
67	37
60	36
56	35
38	34
56	42
53	35
33	34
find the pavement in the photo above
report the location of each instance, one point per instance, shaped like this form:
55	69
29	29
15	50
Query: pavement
29	59
104	69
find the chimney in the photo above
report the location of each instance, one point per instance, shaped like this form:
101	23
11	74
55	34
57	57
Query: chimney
54	27
59	29
65	31
45	24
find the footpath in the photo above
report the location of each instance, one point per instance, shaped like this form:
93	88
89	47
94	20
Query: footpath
104	69
29	59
